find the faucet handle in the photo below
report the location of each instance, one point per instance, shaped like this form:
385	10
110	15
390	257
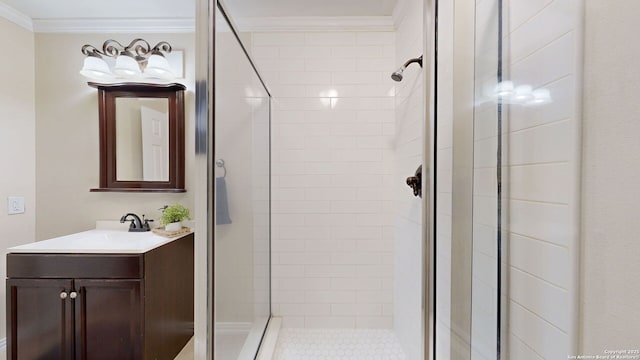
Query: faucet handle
146	222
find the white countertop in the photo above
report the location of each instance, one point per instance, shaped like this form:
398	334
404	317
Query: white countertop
97	241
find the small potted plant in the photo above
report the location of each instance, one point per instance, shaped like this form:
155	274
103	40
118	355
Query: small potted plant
172	217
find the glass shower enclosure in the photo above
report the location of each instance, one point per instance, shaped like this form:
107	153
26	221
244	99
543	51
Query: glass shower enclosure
242	304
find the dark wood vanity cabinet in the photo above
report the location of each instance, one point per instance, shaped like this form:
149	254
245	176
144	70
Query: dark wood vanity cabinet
100	306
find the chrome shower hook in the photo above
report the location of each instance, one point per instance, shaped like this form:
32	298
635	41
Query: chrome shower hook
220	164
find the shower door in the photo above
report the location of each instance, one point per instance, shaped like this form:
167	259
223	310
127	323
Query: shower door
468	212
242	199
508	156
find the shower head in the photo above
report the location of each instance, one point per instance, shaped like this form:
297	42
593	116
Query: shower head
397	75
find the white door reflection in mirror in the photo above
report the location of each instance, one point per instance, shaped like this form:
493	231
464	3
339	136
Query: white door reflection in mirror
142	139
155	144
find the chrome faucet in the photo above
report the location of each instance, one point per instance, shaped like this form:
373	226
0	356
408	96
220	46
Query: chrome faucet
136	225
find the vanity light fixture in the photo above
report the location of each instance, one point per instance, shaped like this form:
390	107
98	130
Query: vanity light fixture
136	61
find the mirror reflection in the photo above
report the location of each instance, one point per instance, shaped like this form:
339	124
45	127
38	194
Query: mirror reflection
142	139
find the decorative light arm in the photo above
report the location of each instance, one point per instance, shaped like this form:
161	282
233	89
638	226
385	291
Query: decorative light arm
140	47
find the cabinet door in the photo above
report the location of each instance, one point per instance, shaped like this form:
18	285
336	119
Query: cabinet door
109	318
42	309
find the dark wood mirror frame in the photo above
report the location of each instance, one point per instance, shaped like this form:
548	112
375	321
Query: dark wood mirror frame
107	95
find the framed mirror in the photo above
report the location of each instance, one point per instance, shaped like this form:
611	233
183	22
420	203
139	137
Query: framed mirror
141	137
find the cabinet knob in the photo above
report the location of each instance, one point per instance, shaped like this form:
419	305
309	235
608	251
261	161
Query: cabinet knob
63	295
73	294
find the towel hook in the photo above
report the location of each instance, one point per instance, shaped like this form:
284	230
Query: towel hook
220	164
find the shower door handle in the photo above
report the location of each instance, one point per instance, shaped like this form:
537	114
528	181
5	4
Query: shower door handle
415	182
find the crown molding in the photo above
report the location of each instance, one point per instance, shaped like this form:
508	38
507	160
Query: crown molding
316	23
119	25
15	16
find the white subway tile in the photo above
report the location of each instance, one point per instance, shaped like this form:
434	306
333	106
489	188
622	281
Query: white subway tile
356	309
329	219
338	91
330	322
304	309
284	91
374	271
297	52
376	64
357	155
288	168
525	254
376	219
375	245
359	258
305	77
283	38
543	28
560	108
377	116
308	181
331	271
540	297
304	284
545	183
387	309
264	52
288	296
365	51
546	143
333	193
331	64
336	246
521	11
376	38
330	296
346	158
548	64
520	350
304	258
282	220
281	246
350	77
377	322
356	207
548	222
546	339
353	129
356	284
275	64
330	38
374	297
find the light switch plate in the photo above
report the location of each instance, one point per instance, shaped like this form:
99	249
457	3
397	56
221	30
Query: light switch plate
15	205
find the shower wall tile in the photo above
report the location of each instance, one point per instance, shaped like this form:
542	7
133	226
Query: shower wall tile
333	156
540	178
408	144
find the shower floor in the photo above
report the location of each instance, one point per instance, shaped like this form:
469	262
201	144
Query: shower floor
337	344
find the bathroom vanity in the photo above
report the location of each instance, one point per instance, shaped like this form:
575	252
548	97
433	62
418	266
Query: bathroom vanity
100	294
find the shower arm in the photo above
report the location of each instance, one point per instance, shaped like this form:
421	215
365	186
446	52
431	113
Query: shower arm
414	60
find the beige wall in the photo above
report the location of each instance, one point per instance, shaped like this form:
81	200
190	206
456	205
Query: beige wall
17	142
67	138
610	312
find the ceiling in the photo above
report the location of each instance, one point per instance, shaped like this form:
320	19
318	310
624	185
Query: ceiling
263	8
88	9
83	9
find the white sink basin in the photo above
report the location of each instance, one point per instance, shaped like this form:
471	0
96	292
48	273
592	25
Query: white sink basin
97	241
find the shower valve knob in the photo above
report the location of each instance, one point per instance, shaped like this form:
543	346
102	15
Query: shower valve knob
415	182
